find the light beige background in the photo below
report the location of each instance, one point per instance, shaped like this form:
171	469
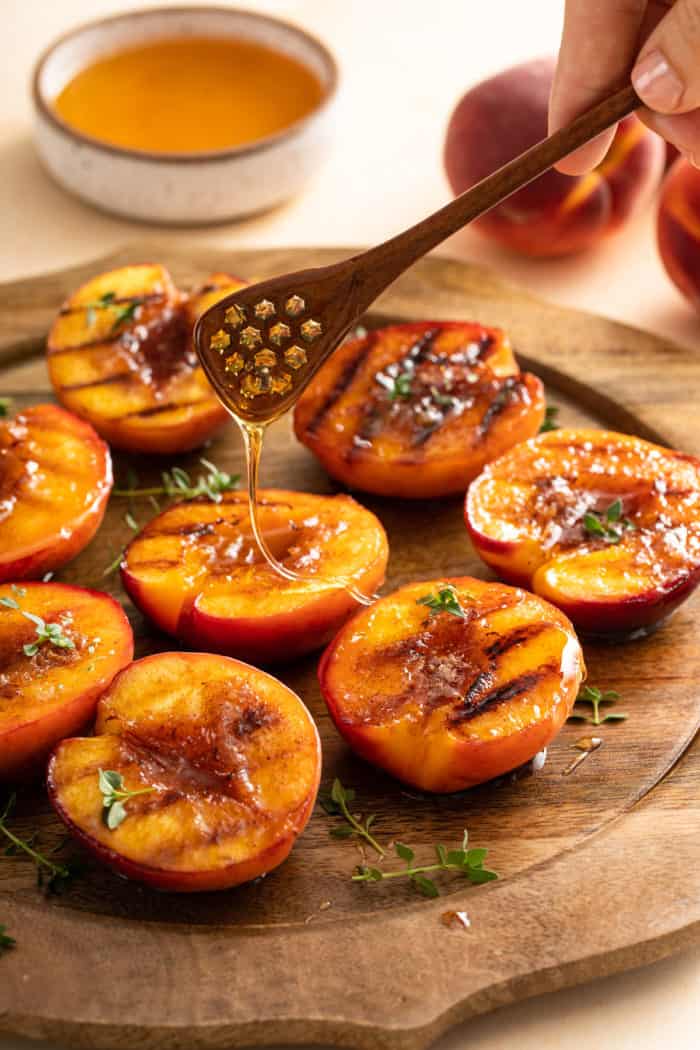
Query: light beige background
404	64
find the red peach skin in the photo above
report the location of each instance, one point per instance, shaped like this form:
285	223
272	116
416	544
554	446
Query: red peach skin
556	214
678	229
53	694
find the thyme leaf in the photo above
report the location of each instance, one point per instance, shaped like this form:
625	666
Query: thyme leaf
608	525
115	795
589	694
178	485
467	862
445	600
45	632
54	877
550	419
337	804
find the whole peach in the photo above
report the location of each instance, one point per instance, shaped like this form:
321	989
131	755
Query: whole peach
678	228
556	214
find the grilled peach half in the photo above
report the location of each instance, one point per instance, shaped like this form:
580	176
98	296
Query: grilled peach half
227	760
196	572
604	525
120	355
50	692
55	480
444	700
416	410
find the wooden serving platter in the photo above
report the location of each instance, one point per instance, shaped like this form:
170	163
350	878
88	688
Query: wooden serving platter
600	870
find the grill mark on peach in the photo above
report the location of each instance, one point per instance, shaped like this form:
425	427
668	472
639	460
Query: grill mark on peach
526	633
343	382
510	391
476	703
374	418
81	307
118	377
155	410
192	529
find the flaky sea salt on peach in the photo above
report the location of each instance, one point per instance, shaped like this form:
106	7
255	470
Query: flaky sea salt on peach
604	525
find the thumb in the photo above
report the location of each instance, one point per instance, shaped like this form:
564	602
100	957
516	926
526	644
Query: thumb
666	75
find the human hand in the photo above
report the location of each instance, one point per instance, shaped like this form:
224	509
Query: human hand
602	40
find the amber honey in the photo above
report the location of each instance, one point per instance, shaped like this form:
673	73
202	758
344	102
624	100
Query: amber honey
189	95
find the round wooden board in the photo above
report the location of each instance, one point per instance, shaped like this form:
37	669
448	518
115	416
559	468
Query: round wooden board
600	870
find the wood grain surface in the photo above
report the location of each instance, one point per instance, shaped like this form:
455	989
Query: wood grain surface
600	870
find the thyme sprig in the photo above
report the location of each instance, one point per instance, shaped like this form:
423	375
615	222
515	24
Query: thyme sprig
133	524
550	419
338	804
178	485
115	795
446	600
45	632
6	941
589	694
467	862
609	524
121	311
5	403
54	877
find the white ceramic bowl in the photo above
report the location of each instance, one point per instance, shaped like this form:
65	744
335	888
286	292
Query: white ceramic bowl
181	188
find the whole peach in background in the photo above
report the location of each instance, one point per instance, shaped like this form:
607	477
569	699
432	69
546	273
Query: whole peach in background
556	214
678	228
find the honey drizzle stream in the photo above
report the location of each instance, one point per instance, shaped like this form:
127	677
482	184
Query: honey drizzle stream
253	436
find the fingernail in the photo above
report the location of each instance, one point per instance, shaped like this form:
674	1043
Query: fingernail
657	83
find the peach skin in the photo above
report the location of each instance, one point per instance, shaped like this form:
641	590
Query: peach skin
603	525
416	410
451	682
678	229
52	692
120	355
556	214
196	572
55	480
220	764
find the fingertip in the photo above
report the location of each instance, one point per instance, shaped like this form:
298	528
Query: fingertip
587	157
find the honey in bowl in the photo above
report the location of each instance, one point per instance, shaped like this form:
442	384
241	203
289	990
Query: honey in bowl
189	95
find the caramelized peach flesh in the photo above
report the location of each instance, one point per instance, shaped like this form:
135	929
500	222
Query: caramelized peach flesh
443	702
55	480
416	410
556	214
233	758
53	693
120	354
532	517
196	572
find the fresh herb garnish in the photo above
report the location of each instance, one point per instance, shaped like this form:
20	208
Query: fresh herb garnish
445	400
133	524
609	524
445	600
177	484
550	419
401	386
50	875
589	694
5	403
115	795
121	311
5	940
45	632
337	804
468	862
